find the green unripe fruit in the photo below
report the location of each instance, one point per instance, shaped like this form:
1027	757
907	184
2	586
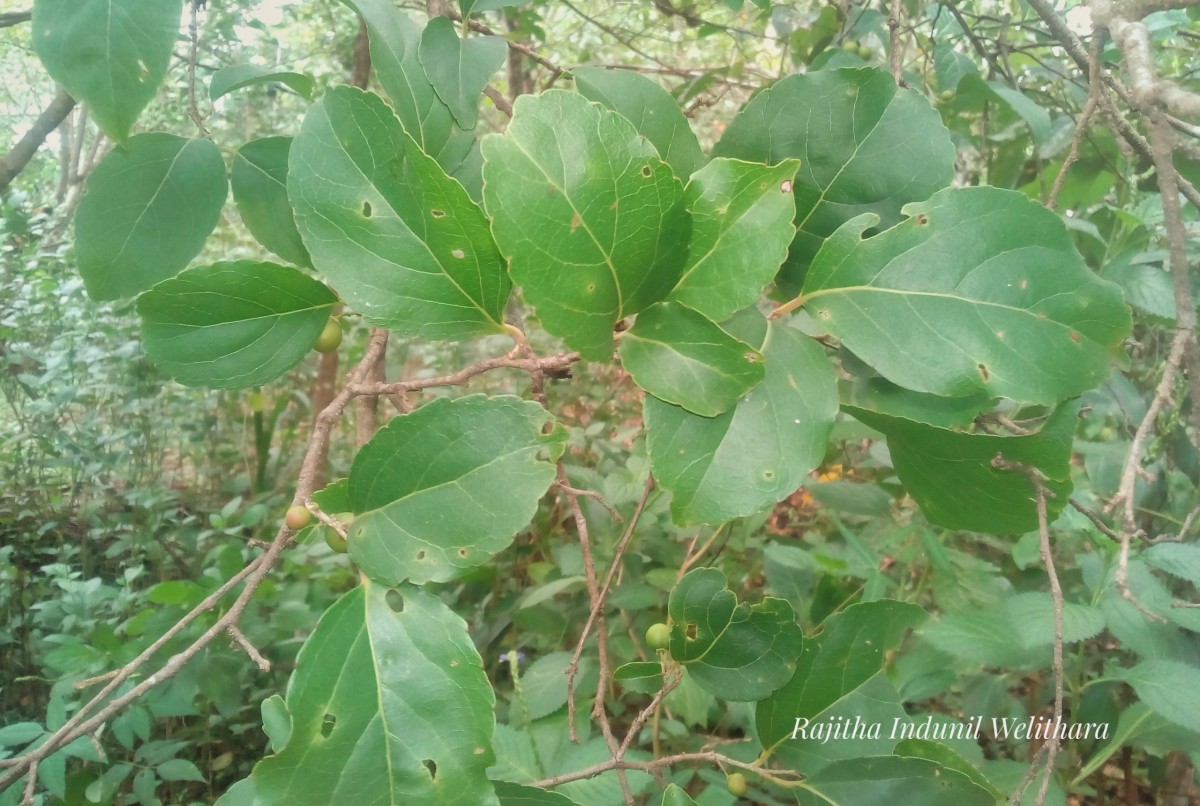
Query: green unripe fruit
330	338
658	636
334	540
736	784
297	517
864	51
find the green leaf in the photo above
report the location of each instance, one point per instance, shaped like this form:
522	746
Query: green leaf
1036	117
640	677
179	769
946	757
108	54
233	325
1138	726
149	207
745	460
651	109
593	224
1170	687
865	146
889	780
986	637
441	489
389	704
228	79
259	183
1034	611
674	796
991	291
951	476
277	722
881	396
395	42
741	226
811	745
681	357
519	795
850	649
738	651
1178	559
20	733
459	69
403	243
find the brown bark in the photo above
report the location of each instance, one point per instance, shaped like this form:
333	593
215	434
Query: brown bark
15	161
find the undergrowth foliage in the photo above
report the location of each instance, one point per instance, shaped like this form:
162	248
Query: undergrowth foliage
813	287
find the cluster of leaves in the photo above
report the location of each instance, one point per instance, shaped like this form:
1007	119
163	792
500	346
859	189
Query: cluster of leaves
911	311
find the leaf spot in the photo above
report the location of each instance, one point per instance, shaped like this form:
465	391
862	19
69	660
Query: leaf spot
575	222
751	356
983	370
454	663
768	475
1075	337
420	555
786	186
431	766
462	552
479	751
458	253
922	220
438	213
395	601
1024	284
327	725
647	172
999	334
366	209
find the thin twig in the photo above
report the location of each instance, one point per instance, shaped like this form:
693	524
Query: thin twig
193	42
242	641
1056	596
1081	126
1095	518
893	25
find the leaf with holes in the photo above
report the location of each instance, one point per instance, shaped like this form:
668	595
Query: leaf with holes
741	227
403	243
149	207
109	54
951	476
740	652
389	704
681	357
233	325
239	76
745	460
459	69
650	108
981	289
592	221
443	488
259	184
851	649
864	144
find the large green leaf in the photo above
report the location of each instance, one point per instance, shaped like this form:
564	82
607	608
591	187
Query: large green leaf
150	205
846	729
592	222
741	226
259	183
109	54
851	648
1170	687
403	243
233	325
745	460
651	109
395	54
951	476
228	79
980	289
681	357
389	705
1034	611
442	489
891	780
864	146
737	651
459	69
